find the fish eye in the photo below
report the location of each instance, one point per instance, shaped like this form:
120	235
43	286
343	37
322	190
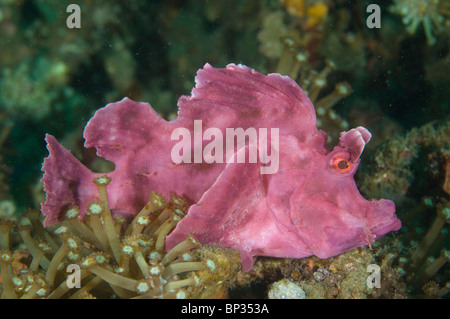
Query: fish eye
340	164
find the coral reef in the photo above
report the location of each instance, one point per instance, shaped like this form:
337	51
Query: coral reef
52	78
431	14
341	277
391	163
112	257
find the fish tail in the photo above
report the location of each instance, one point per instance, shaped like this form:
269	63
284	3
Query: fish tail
67	182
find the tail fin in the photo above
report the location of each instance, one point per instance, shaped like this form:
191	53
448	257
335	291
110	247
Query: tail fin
66	181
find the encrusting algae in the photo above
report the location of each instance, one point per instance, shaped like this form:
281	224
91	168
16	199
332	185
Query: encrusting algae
104	256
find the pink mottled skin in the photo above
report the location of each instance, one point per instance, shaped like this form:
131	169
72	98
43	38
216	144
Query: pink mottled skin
310	206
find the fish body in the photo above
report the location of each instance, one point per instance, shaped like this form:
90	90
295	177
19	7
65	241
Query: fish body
281	193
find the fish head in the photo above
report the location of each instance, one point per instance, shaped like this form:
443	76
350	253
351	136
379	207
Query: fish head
325	209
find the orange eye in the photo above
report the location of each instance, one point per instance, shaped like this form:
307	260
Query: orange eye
341	165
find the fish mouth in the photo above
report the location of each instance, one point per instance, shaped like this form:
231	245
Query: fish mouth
379	220
384	219
384	228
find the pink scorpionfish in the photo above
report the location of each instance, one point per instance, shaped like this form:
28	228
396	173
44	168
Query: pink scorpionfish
302	202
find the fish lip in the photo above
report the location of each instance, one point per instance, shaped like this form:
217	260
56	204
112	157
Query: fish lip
387	220
382	229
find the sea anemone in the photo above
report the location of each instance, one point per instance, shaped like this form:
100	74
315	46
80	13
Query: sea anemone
113	257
